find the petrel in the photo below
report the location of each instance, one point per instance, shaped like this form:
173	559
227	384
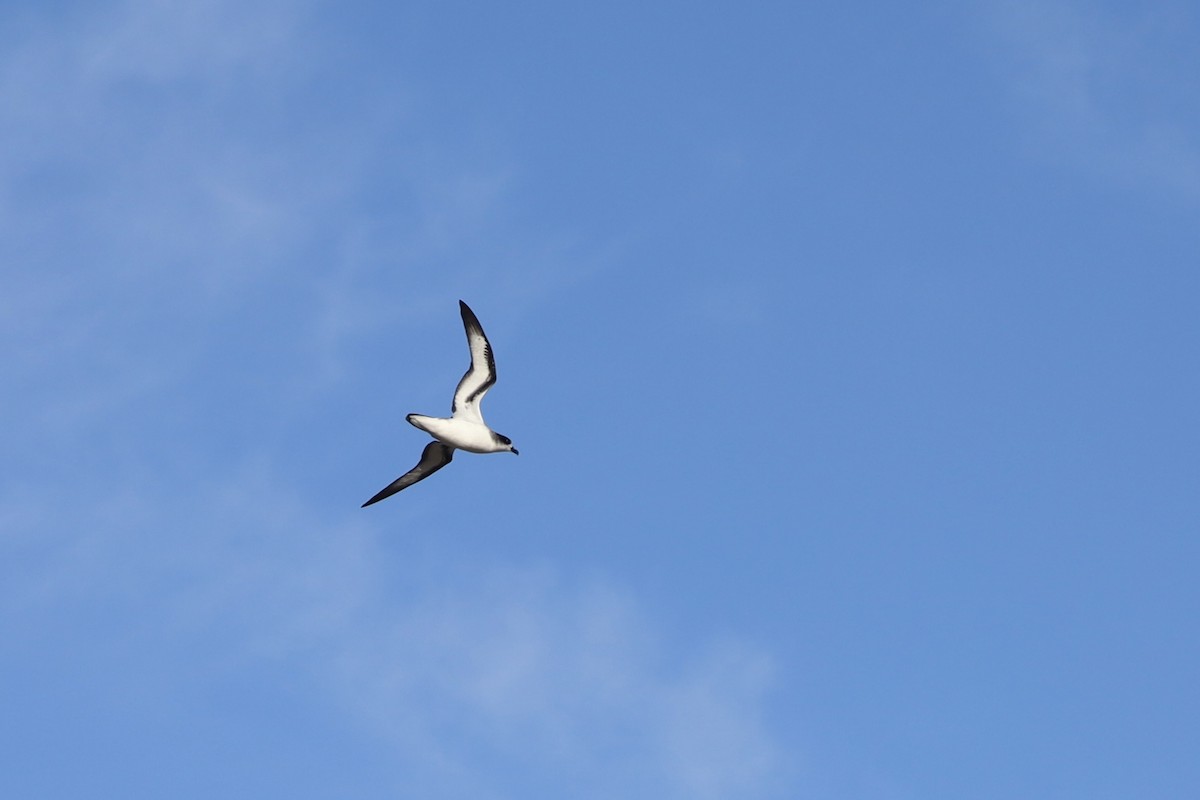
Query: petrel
465	429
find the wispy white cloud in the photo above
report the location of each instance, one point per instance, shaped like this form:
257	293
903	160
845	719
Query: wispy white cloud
135	197
571	680
160	42
1107	90
505	676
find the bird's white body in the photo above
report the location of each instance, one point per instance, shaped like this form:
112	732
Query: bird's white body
462	434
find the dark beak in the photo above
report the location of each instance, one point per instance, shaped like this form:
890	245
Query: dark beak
514	452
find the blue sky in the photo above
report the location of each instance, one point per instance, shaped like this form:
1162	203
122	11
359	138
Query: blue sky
850	349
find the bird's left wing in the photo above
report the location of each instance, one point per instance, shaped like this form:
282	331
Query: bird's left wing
481	374
435	456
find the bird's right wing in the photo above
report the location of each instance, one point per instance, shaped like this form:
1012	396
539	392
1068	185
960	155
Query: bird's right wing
435	456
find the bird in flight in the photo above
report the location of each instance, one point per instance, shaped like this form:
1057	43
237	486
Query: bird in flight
465	429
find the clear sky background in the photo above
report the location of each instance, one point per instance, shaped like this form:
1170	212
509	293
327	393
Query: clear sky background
850	347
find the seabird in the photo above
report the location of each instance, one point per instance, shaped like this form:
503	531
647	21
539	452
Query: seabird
465	429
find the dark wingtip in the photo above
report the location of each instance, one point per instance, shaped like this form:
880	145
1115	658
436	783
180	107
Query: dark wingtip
382	494
471	322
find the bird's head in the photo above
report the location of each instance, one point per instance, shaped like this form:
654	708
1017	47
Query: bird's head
506	443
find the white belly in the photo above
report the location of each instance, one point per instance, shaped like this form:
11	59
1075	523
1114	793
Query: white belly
469	436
